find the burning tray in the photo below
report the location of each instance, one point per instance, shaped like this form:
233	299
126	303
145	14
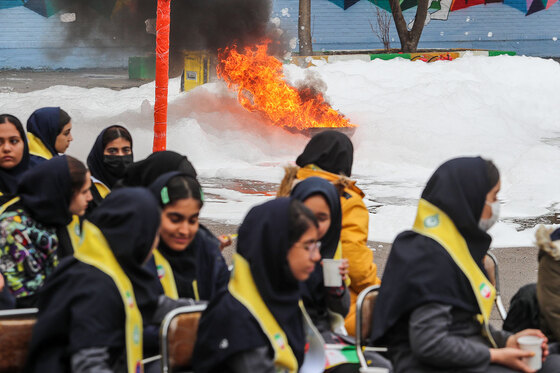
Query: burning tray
310	132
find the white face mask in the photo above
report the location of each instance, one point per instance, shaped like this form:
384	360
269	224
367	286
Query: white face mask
486	224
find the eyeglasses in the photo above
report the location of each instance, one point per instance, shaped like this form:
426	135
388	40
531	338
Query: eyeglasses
311	247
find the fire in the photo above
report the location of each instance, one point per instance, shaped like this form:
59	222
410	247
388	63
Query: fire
261	87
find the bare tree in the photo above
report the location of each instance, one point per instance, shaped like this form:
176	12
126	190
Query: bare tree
383	28
304	28
409	38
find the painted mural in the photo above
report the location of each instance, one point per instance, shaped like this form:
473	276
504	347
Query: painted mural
440	9
443	7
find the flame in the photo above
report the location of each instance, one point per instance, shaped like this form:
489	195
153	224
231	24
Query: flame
259	80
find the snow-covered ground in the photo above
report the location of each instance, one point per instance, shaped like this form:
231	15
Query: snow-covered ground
412	116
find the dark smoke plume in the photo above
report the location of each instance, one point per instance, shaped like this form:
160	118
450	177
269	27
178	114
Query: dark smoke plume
195	24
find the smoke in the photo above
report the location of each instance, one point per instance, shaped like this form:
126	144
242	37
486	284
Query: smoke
195	24
311	86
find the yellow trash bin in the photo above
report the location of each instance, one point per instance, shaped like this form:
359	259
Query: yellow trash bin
196	71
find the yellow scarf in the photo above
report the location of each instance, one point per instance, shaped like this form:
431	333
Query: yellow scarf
165	275
102	189
434	223
94	250
8	204
36	147
243	288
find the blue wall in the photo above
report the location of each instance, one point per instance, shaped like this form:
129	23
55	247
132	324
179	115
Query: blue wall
29	40
493	26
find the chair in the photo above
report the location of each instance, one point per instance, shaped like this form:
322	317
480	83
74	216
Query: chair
493	271
178	336
364	306
16	327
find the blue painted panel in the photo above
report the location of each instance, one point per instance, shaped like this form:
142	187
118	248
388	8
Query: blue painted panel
29	40
492	26
10	3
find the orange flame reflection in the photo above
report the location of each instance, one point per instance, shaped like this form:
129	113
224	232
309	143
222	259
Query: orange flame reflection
261	87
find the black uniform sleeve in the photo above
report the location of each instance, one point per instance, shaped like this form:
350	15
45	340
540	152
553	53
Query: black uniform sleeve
98	317
433	344
256	360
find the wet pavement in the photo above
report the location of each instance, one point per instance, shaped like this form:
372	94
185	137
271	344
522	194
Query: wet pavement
23	81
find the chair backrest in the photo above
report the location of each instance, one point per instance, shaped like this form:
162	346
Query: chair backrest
16	327
492	269
178	337
367	313
364	317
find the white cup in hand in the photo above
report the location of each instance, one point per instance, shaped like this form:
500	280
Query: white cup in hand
331	272
533	344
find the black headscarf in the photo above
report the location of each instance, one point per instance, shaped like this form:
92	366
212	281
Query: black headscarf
202	260
331	150
264	242
46	190
44	123
313	289
145	172
129	218
316	185
95	161
419	270
9	178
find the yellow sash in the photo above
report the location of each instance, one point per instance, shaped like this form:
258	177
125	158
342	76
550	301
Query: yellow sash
5	206
434	223
102	189
243	288
94	250
36	147
165	275
74	231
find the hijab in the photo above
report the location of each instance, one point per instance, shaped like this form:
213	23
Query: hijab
145	172
313	289
9	178
79	294
330	150
202	260
419	270
183	263
316	185
126	211
264	242
46	191
95	162
44	123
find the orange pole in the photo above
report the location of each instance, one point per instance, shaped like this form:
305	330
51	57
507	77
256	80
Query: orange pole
162	74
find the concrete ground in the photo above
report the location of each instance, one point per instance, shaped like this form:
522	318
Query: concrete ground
23	81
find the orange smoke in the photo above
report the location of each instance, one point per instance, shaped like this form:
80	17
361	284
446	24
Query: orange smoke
261	87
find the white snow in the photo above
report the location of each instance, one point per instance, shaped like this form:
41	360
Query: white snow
412	117
285	12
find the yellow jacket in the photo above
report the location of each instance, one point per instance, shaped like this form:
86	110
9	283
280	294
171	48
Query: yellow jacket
354	235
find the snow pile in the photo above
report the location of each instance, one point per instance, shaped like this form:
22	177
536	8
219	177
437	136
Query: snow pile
412	116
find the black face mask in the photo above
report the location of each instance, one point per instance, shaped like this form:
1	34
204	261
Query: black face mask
117	164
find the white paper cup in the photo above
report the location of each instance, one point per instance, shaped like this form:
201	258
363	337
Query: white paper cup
331	272
533	344
374	370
